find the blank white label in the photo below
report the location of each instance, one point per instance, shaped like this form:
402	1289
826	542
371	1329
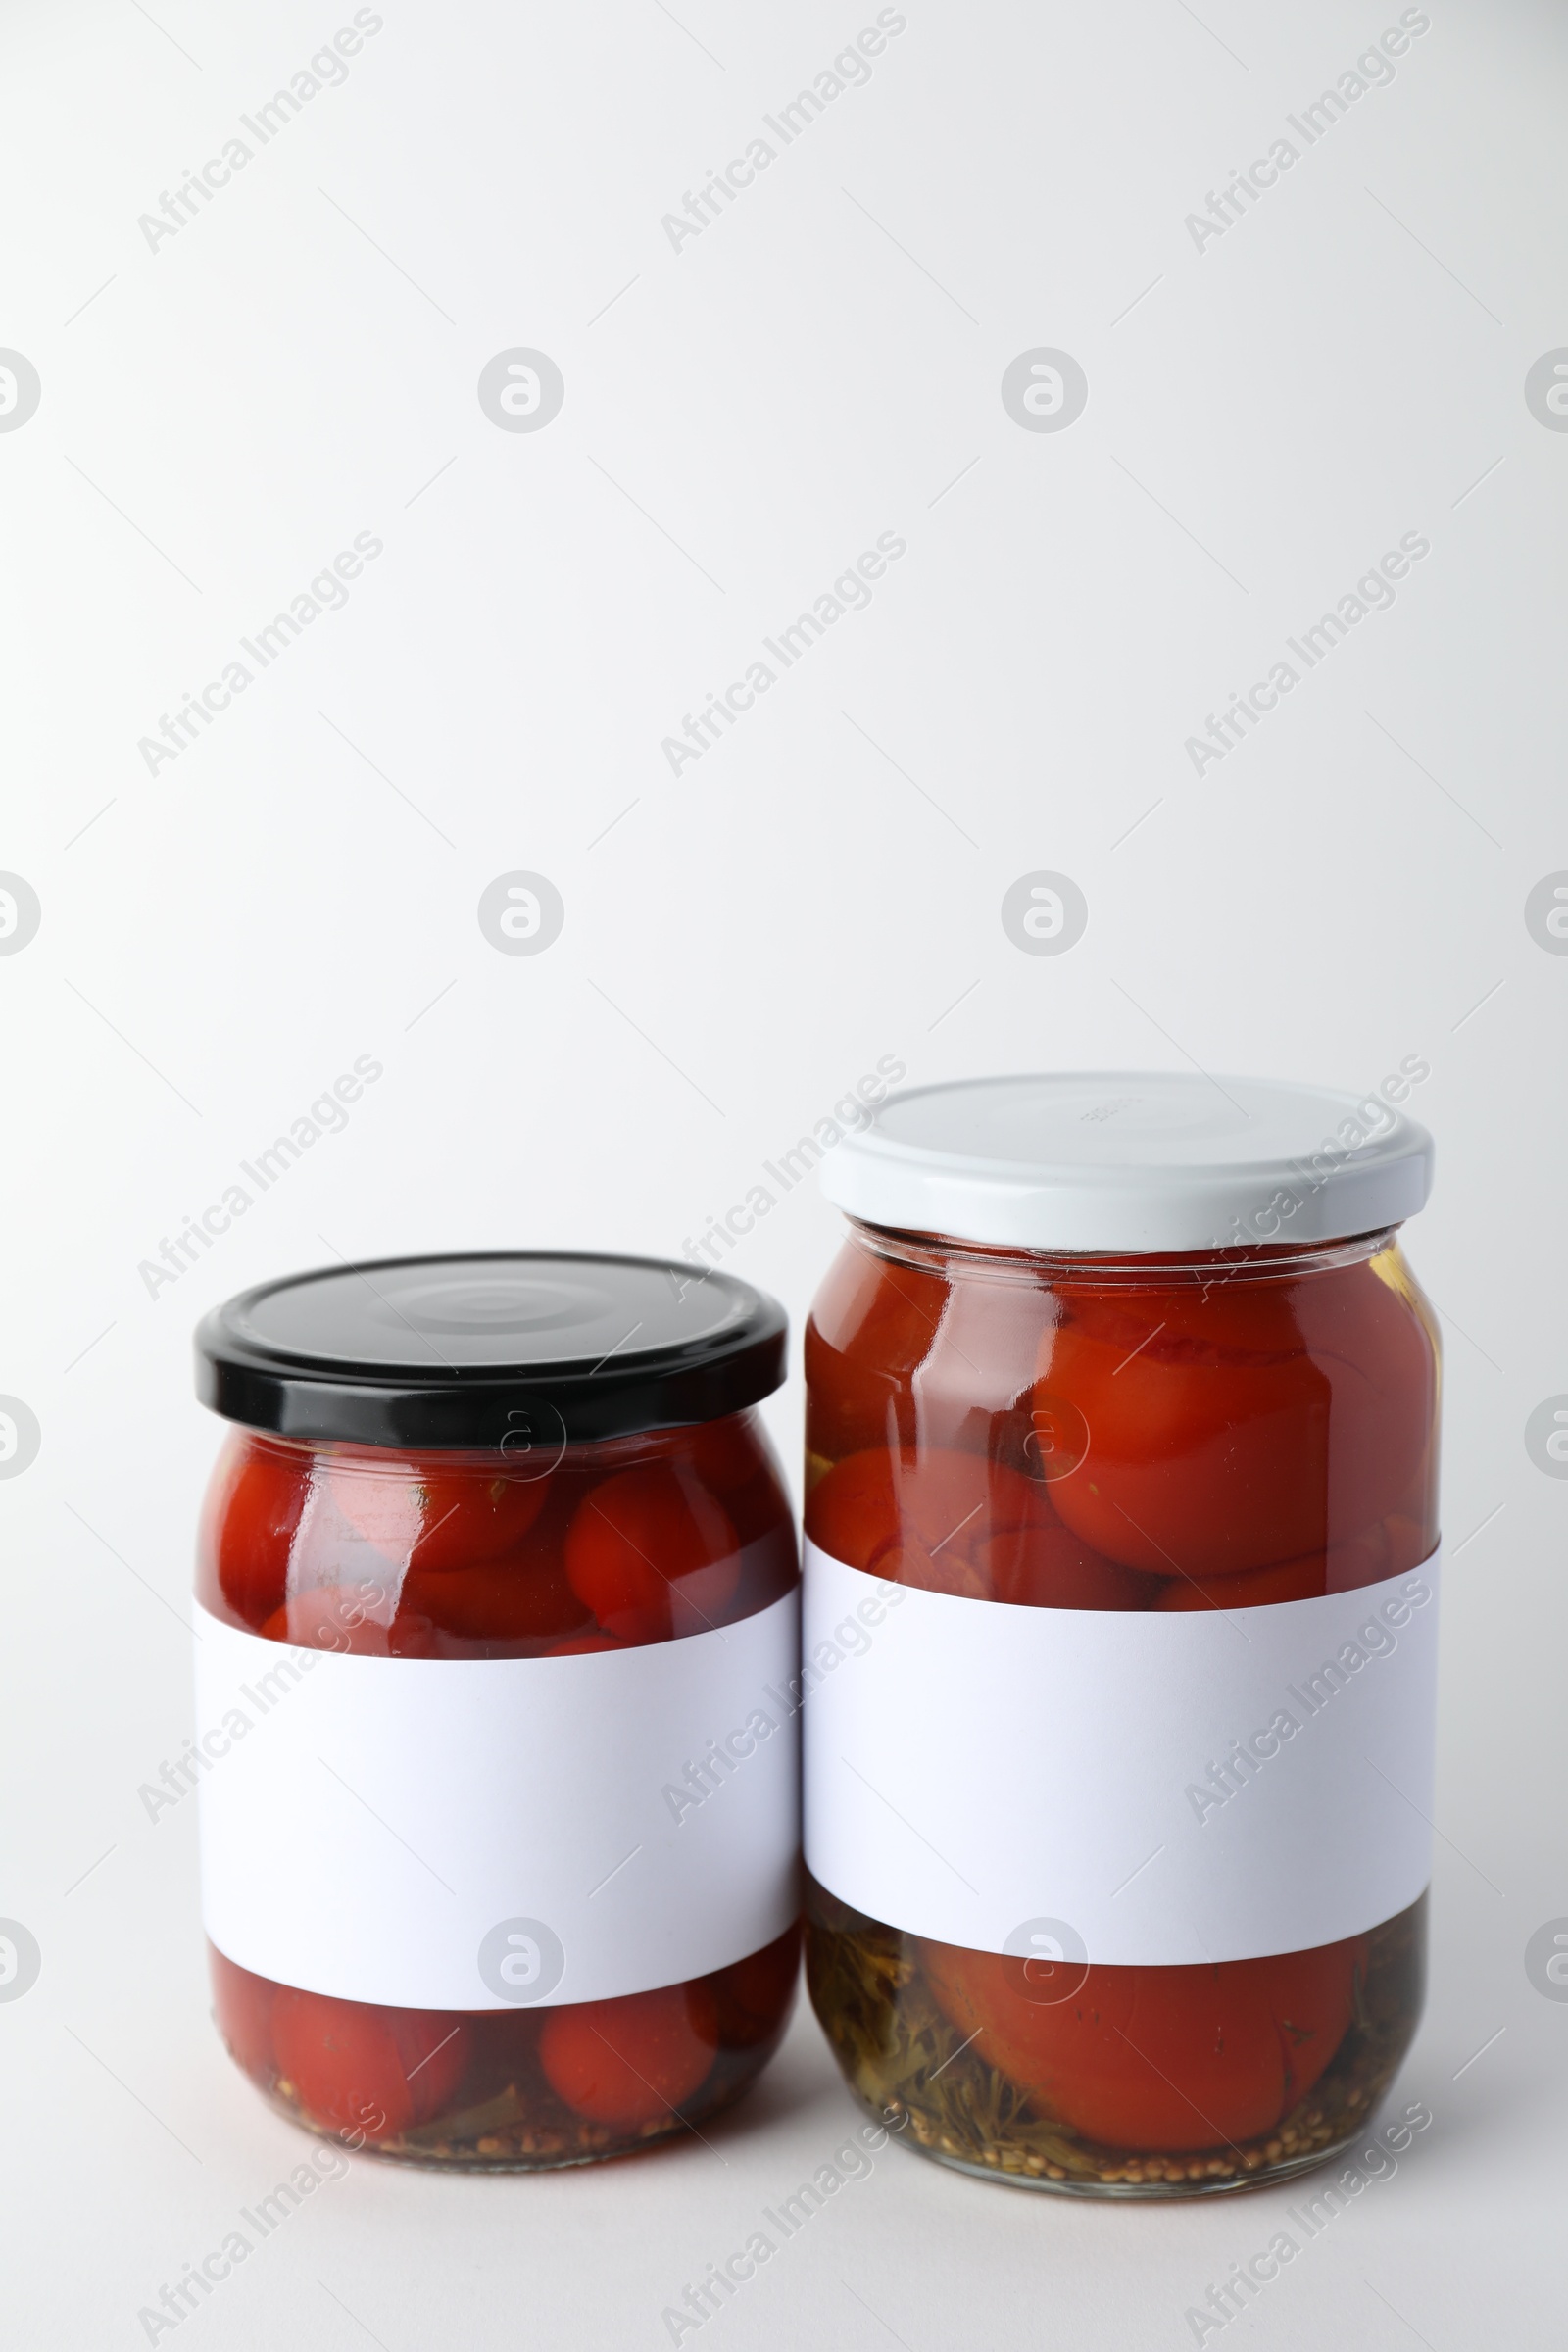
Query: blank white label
1145	1789
445	1833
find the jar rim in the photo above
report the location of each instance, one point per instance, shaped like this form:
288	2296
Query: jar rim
1152	1269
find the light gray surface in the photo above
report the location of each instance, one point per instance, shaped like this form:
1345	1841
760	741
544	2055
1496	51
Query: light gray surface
1453	2248
822	889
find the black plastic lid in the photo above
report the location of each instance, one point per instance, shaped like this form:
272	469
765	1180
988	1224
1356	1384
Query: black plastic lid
511	1349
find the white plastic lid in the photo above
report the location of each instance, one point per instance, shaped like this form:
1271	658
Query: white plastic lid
1134	1160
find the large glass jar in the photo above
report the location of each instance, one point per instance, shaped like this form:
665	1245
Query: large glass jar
498	1612
1119	1645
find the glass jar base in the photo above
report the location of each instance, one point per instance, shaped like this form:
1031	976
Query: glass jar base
483	2144
905	2063
1195	2177
509	2149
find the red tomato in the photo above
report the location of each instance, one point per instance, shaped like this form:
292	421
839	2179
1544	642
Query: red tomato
753	1995
353	1620
634	2060
871	1326
250	1521
1160	2058
343	2065
1235	1424
365	2069
1311	1999
652	1554
434	2047
243	2007
1051	1568
725	1453
587	1645
436	1511
1385	1550
1371	1331
496	1601
957	1523
733	1459
1248	1588
1410	1542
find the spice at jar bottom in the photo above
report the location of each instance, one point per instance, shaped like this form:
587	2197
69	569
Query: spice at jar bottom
497	1557
1121	1573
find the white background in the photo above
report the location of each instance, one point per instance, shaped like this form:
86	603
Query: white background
742	417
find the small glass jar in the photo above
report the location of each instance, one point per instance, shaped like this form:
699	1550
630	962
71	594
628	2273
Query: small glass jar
1120	1607
498	1612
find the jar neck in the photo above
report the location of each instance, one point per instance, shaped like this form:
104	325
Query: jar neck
598	1456
956	1259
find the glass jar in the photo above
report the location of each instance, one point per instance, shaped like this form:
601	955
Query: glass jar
497	1610
1120	1612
